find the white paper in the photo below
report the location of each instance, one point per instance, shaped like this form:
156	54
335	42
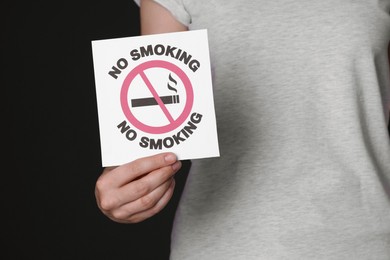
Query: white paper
154	94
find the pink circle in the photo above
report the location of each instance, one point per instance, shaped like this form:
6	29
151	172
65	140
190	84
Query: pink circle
140	69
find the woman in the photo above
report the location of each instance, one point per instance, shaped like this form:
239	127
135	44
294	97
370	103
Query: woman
302	95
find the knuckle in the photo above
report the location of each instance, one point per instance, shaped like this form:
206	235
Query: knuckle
101	184
120	215
148	202
155	210
158	159
108	203
139	165
166	172
135	220
135	167
141	188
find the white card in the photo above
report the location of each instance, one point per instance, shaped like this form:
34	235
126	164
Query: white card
154	94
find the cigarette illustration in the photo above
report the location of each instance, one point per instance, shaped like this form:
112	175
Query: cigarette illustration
151	101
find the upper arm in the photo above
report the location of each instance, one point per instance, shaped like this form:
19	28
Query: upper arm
157	19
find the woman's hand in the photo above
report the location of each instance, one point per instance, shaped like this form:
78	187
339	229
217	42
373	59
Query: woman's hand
137	190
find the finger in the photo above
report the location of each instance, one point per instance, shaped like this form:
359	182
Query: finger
154	210
141	187
144	203
135	169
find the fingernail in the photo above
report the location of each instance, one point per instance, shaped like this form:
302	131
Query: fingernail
170	158
176	166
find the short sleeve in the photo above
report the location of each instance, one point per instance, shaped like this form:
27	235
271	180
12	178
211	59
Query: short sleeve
177	9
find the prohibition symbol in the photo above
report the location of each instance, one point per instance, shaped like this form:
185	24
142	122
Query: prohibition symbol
155	100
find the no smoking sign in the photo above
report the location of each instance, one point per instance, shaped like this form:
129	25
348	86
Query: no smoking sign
154	94
161	90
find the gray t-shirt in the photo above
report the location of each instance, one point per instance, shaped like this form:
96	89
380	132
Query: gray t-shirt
302	95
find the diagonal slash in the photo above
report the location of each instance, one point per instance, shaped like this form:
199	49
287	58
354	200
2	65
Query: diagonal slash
156	96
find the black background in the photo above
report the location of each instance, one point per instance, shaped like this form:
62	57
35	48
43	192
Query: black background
52	141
